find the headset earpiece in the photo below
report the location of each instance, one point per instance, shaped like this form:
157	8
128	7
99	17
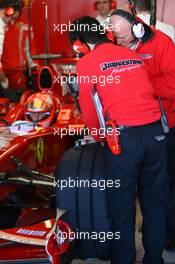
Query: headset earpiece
79	47
9	11
138	30
112	2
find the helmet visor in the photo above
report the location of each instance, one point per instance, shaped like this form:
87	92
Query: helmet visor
37	116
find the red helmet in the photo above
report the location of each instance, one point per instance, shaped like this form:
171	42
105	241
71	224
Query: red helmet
40	108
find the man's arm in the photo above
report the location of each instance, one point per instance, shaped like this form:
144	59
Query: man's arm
165	57
86	104
3	78
87	107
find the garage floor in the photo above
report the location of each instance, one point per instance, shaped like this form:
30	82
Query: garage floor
169	257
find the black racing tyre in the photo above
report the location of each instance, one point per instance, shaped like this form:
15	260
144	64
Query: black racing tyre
22	261
72	252
9	216
86	206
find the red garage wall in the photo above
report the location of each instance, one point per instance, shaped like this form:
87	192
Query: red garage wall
60	11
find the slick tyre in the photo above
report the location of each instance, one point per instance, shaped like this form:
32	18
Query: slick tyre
81	191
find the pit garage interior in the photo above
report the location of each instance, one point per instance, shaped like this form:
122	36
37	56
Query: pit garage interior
38	153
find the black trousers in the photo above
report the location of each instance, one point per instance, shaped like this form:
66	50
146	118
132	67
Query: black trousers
3	93
171	174
142	165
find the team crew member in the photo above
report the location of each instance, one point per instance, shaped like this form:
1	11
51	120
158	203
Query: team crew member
104	7
8	14
158	52
16	57
143	9
130	103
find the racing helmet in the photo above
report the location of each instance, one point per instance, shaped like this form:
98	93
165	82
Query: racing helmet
40	109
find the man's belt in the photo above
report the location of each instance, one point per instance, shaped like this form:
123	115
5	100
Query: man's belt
123	127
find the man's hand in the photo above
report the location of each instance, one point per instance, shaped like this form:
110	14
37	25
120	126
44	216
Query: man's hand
2	77
3	80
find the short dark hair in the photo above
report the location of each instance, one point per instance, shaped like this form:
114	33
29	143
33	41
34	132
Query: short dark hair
142	5
16	4
87	35
125	14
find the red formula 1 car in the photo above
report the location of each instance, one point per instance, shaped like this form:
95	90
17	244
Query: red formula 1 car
34	135
39	172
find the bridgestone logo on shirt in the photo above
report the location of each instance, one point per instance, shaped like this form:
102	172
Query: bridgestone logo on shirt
113	64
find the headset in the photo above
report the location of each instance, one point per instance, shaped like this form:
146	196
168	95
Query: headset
79	47
82	48
137	28
112	3
9	11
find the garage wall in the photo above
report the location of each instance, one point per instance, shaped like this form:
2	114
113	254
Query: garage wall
166	11
60	11
63	11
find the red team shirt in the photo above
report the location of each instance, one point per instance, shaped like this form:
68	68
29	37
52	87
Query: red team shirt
127	95
158	55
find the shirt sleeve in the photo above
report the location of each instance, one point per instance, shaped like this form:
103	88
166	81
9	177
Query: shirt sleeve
166	28
1	43
165	82
86	104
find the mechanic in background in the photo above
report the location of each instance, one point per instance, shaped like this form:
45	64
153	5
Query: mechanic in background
16	57
143	9
104	7
8	14
158	52
128	103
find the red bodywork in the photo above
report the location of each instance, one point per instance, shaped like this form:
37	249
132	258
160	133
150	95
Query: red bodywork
39	150
24	244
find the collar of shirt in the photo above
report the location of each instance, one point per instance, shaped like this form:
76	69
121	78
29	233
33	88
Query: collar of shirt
134	45
104	20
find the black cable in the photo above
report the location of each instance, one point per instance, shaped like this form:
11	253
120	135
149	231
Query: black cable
153	12
133	10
